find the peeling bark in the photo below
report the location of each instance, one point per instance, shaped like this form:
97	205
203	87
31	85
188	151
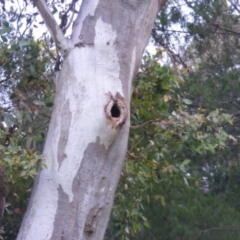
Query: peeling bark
88	133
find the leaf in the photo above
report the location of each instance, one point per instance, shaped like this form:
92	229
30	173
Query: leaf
146	224
214	113
134	227
5	24
4	30
141	178
23	43
18	114
29	142
186	162
230	121
162	199
166	98
4	38
32	69
211	148
187	101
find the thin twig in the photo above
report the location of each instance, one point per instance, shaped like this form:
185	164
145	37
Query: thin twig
223	28
139	156
143	124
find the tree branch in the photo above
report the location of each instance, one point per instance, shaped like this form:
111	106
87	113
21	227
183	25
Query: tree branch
130	155
143	124
159	122
161	3
235	6
216	25
63	44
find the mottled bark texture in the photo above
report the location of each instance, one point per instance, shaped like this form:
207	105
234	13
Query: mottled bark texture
88	133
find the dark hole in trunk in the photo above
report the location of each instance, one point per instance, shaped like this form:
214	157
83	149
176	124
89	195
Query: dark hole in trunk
115	112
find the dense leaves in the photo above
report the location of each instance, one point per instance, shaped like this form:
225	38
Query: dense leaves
162	172
26	98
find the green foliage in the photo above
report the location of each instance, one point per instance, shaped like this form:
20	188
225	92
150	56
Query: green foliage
26	100
20	167
190	214
164	144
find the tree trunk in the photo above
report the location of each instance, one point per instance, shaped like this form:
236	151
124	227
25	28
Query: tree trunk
87	139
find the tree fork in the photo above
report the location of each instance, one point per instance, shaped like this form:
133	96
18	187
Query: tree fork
87	138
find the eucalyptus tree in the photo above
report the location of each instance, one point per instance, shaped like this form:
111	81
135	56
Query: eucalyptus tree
87	138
